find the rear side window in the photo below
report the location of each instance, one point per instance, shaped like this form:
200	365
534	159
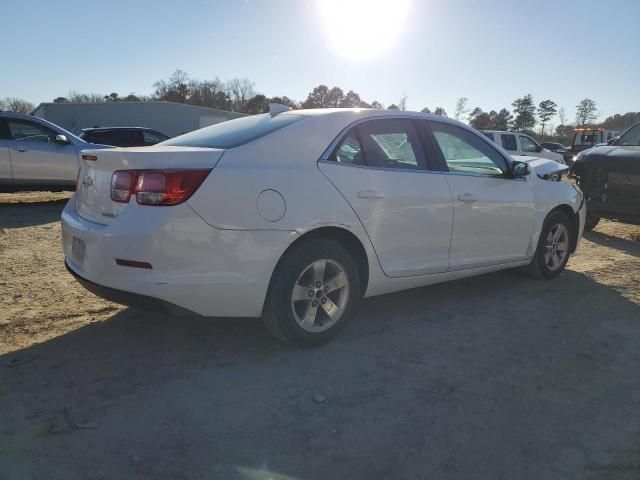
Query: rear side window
383	144
509	142
103	138
151	138
350	150
128	138
489	136
234	133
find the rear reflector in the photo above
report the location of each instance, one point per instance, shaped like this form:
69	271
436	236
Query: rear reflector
133	263
91	158
156	187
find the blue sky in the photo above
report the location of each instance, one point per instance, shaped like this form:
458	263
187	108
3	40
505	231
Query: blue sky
490	51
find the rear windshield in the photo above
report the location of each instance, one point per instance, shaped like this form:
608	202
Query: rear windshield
234	133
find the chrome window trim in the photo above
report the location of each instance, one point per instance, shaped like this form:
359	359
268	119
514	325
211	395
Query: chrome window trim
418	170
336	141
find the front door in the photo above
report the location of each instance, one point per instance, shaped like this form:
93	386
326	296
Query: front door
37	158
493	214
380	168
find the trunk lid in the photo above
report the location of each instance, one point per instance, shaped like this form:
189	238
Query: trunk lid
93	194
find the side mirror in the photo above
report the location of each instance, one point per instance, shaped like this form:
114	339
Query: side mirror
62	139
611	141
539	148
520	169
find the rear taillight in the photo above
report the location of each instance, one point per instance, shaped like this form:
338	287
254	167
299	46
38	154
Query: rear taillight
122	183
156	187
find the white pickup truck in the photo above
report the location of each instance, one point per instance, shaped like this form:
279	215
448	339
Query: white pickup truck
521	144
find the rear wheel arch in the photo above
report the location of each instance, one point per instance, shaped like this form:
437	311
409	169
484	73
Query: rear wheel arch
339	235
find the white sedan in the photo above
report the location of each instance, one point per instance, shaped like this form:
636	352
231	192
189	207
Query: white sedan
296	216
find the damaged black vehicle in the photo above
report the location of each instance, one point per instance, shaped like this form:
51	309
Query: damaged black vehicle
609	177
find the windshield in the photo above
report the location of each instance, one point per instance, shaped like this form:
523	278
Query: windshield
234	133
630	137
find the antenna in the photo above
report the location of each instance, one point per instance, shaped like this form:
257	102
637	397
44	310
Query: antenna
276	108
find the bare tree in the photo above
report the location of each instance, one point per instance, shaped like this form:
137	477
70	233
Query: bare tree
77	97
17	105
240	90
402	104
461	108
586	111
562	115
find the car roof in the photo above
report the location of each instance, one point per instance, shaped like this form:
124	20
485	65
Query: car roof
351	114
22	116
501	131
97	129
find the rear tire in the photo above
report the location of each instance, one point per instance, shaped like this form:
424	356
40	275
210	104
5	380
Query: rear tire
552	253
314	292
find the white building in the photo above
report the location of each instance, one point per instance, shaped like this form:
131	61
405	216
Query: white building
166	117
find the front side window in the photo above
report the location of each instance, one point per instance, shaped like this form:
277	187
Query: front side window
464	152
527	144
631	137
509	142
392	143
30	132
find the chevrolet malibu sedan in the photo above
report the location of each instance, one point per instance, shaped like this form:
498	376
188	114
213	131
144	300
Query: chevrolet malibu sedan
296	216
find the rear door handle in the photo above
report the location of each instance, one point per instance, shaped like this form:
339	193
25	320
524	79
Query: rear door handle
370	194
20	149
467	197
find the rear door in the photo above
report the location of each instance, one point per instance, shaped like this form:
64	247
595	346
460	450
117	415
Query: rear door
5	158
36	157
493	214
381	169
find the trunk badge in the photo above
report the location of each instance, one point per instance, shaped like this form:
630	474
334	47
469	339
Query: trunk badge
87	181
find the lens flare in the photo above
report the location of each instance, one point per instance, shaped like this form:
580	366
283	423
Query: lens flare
363	29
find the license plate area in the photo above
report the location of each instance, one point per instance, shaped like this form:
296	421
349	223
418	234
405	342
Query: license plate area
78	249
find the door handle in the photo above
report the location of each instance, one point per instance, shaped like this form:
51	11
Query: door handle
20	149
370	194
467	197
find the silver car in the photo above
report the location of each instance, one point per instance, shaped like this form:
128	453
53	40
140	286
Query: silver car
37	155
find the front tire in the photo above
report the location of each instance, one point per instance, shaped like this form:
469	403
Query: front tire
315	290
590	222
554	243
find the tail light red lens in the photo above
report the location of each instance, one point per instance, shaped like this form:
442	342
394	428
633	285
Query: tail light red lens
122	182
156	187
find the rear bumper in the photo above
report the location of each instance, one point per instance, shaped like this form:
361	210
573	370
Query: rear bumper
127	298
196	267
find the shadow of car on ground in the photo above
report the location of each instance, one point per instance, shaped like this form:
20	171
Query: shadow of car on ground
497	376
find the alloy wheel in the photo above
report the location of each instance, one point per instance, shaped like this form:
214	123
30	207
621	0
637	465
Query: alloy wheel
320	295
556	247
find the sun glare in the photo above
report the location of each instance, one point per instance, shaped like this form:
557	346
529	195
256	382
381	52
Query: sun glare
363	29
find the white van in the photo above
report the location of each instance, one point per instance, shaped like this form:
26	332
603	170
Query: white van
518	144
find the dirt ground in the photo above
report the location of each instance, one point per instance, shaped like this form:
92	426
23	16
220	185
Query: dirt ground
495	377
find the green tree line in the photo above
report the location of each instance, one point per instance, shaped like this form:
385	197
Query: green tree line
240	95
